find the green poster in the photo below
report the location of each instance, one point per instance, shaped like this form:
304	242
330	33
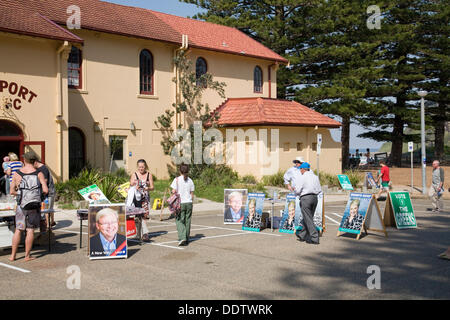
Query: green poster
403	210
345	182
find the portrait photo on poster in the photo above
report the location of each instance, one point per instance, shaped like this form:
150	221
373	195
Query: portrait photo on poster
253	212
107	231
93	195
234	205
291	218
355	212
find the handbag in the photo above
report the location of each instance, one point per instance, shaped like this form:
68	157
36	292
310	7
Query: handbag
174	202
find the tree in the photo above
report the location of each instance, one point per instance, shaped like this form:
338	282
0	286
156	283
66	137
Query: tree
188	104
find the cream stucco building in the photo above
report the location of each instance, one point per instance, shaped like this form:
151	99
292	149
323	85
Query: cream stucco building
65	93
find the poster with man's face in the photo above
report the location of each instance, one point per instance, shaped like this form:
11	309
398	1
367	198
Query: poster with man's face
253	212
234	205
94	195
107	231
355	212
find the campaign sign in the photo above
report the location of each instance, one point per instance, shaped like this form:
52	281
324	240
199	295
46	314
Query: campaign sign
291	215
345	182
402	209
355	213
123	189
234	205
370	181
107	231
318	214
253	212
94	195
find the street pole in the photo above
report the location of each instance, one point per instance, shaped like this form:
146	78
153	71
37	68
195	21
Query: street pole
422	94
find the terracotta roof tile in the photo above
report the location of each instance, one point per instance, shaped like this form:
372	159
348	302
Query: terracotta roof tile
264	111
28	22
143	23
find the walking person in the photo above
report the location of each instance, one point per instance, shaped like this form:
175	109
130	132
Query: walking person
143	181
385	179
40	167
5	165
28	185
437	187
184	186
307	188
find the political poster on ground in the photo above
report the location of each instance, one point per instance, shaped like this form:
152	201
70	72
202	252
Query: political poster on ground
318	214
291	218
234	205
399	209
345	182
107	231
253	212
355	213
370	181
94	195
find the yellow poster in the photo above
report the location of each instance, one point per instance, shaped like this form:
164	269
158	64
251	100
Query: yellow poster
123	189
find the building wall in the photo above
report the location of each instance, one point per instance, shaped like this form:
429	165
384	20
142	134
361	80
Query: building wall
31	63
262	156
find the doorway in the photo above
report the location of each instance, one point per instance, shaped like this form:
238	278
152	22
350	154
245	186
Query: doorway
11	139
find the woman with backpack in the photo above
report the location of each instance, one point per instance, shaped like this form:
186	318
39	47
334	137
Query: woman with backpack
29	187
143	181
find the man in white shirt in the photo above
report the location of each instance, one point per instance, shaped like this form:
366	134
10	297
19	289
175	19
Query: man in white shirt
185	188
307	187
292	173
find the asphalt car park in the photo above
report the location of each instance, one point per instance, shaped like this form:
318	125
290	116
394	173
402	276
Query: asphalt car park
224	262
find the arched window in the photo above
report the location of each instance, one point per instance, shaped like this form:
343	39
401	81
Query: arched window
200	69
146	72
74	68
257	80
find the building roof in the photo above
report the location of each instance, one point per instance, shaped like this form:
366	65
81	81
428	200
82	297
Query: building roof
148	24
266	111
27	22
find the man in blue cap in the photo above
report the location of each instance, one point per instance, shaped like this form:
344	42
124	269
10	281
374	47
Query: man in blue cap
307	188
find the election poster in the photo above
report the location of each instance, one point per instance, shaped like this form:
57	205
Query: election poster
234	205
370	181
318	214
93	195
345	182
355	213
291	218
107	231
399	211
253	212
123	189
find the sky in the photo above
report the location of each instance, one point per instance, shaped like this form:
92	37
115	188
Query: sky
182	9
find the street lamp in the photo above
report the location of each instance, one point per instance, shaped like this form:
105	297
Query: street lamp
422	95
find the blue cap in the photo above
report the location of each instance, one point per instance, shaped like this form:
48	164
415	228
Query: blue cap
305	165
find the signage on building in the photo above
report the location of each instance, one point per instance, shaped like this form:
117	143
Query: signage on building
18	93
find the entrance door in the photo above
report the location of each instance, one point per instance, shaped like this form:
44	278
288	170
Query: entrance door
77	156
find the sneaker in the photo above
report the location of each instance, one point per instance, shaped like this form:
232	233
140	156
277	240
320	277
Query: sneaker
182	243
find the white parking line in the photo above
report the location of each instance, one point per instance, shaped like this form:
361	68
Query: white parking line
14	268
332	220
219	236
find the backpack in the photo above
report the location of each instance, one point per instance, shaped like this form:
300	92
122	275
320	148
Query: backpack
174	202
30	188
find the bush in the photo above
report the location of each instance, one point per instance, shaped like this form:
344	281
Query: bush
356	177
274	180
249	179
67	191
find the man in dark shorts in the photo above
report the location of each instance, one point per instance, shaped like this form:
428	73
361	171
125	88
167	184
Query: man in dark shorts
27	217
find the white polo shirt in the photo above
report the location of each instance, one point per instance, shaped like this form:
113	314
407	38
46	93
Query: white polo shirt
308	183
184	188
